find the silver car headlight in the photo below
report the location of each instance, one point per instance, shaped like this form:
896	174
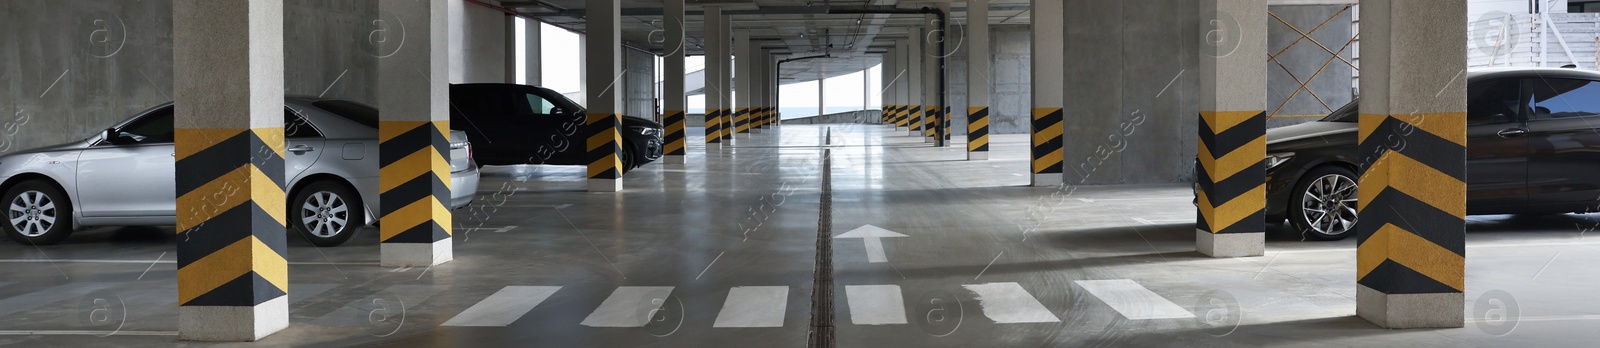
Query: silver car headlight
647	131
1275	159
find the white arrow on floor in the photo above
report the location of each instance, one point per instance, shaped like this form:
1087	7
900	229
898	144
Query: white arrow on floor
871	235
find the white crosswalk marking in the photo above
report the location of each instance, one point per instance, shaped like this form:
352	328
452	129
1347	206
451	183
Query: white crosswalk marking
1007	303
1134	301
754	306
503	307
875	304
628	306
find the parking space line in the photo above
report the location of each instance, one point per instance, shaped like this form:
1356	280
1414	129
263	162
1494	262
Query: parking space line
628	306
1132	300
1007	303
503	307
875	304
754	306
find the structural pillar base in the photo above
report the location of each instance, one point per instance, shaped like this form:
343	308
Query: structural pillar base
1410	311
672	159
741	136
1230	244
605	185
980	155
417	254
233	323
1054	179
713	147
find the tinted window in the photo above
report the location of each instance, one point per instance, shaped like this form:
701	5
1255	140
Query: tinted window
155	127
1557	98
1492	101
532	104
295	126
358	112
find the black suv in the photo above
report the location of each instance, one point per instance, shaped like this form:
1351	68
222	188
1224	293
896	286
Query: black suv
1532	148
521	124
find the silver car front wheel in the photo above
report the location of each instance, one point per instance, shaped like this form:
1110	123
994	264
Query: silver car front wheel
1325	204
37	213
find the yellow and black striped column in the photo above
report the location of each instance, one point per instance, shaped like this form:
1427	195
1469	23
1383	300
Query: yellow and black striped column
228	147
1047	150
604	152
713	129
744	82
914	120
676	142
414	188
930	124
1231	174
977	132
1232	183
741	122
604	145
1411	251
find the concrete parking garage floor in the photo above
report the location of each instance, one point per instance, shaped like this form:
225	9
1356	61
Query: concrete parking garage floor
721	252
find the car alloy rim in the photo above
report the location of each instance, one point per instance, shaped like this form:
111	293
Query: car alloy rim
325	214
1329	204
32	213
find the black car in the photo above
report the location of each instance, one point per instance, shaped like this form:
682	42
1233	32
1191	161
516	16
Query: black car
1532	148
520	124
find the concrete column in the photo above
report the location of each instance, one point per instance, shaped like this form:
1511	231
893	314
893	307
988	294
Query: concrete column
886	87
414	139
934	120
742	78
758	87
674	101
725	81
233	281
978	73
605	97
822	92
902	88
713	73
774	118
1049	62
510	51
1410	254
533	52
1233	93
914	67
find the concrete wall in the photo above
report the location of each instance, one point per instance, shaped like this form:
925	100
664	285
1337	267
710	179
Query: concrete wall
1328	79
638	83
1012	110
477	43
73	67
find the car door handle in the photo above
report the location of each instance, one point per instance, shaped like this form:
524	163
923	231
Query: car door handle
1512	132
300	149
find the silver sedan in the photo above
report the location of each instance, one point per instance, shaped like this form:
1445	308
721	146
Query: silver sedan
330	159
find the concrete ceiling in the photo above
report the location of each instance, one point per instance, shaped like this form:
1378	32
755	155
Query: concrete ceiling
790	28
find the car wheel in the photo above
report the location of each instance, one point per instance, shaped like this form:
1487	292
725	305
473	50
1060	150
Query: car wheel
37	213
628	156
1323	206
326	213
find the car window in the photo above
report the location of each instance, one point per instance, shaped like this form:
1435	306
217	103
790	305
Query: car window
358	112
1561	98
533	104
1493	101
295	125
1346	113
155	127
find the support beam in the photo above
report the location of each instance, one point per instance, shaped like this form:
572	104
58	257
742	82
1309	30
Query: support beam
510	51
713	72
675	103
414	139
605	97
533	52
725	80
1232	152
914	69
233	280
758	87
743	76
978	73
886	85
902	89
1411	251
1049	52
934	122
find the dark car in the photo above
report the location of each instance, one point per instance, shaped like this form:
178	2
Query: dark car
1532	148
520	124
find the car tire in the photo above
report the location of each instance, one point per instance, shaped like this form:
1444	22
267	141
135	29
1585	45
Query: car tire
326	213
629	157
45	213
1323	203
